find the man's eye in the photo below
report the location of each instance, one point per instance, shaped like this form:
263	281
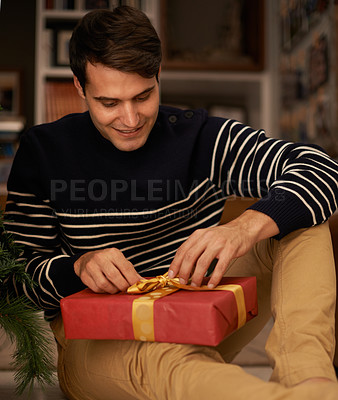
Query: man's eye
108	105
143	98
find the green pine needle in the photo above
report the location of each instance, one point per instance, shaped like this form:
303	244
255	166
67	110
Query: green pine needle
21	321
9	265
25	327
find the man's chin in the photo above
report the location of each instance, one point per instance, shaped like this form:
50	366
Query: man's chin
127	141
129	145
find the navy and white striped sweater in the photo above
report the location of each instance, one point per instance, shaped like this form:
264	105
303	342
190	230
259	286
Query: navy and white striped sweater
71	191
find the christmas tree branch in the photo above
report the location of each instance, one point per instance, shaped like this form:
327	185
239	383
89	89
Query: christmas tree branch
21	321
25	327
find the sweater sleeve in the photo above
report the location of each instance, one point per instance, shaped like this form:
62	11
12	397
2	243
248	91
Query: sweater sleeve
30	218
297	184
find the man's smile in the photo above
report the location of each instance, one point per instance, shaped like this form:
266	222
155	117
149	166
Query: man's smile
128	132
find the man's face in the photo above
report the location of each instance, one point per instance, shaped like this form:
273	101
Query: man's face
123	106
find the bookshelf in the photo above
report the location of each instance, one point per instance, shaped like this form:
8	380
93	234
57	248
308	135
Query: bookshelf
247	91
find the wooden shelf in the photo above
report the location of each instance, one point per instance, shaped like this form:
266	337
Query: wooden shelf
63	14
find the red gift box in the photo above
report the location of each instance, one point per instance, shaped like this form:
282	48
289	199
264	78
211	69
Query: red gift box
195	317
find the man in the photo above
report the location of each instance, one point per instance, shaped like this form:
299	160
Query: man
131	189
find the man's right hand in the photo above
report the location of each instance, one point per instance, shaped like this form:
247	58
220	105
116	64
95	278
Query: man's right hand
106	271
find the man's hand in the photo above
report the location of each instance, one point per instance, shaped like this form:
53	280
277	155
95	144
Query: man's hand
224	242
106	271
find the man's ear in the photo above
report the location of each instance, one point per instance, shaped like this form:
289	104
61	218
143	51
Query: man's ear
78	87
158	74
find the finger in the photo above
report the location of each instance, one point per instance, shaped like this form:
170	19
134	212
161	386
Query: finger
199	256
104	286
113	275
125	268
176	262
219	270
104	274
185	258
202	266
188	262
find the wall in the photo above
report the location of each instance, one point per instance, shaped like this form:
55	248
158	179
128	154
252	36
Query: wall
17	47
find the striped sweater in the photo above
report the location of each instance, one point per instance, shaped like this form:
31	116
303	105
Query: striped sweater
71	191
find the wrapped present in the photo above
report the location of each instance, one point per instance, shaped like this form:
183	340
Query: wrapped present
162	310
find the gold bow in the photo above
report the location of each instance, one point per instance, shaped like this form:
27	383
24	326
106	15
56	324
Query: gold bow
160	286
161	281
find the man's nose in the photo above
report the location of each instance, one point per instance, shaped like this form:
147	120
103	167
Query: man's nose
130	116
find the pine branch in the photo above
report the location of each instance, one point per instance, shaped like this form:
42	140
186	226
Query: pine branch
33	355
21	322
9	265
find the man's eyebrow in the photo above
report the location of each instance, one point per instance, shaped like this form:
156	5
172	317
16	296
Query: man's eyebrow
104	98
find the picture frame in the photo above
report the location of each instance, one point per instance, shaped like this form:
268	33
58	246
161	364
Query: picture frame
10	92
61	40
228	36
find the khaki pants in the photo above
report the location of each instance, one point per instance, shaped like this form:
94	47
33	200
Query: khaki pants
296	283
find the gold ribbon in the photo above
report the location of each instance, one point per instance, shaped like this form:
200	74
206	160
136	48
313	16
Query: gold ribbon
160	286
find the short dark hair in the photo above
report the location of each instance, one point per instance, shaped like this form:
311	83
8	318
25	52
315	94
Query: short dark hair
123	39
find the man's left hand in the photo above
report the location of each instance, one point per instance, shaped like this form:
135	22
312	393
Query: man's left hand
224	243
